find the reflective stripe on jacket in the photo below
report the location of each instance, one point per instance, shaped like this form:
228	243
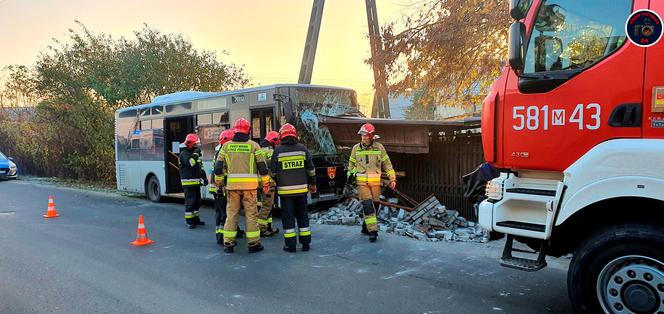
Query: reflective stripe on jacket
369	162
191	169
293	168
240	164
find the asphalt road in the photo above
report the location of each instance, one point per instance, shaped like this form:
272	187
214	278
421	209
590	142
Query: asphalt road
82	262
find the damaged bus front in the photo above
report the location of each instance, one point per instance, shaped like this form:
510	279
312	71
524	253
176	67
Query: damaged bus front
302	105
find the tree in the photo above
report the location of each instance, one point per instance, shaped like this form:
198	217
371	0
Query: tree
81	82
19	88
128	72
446	49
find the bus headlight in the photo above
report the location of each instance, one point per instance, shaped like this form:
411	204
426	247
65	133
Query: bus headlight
494	189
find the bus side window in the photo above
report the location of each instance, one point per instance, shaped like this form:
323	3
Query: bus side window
125	126
204	119
221	118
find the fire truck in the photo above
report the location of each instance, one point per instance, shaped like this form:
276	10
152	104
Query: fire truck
575	126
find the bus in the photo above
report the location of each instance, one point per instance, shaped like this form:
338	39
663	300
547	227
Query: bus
147	137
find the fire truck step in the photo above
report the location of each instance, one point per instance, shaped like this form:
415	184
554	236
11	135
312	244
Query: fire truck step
522	263
522	225
532	191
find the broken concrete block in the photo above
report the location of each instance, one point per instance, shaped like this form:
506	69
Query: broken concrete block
348	220
436	223
479	230
423	209
471	224
450	220
464	238
401	215
422	228
421	236
393	200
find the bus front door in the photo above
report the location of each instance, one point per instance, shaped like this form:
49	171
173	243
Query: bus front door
262	122
175	131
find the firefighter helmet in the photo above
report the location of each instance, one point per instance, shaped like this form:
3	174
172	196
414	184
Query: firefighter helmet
226	136
367	129
242	126
287	130
273	138
192	140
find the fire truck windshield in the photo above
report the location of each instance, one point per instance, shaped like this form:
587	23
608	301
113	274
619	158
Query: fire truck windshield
571	34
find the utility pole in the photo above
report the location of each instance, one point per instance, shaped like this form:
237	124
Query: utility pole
307	67
381	105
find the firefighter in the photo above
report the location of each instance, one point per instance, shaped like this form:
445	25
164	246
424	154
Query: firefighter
268	144
294	171
192	176
367	161
237	159
219	193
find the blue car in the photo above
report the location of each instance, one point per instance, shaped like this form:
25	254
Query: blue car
8	168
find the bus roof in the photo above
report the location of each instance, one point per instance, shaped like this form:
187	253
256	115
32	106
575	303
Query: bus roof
187	96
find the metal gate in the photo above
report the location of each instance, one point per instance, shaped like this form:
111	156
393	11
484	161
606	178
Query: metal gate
439	172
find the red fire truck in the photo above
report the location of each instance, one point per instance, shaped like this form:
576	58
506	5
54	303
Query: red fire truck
575	124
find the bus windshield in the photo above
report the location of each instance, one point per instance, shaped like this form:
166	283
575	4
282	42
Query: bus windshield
312	102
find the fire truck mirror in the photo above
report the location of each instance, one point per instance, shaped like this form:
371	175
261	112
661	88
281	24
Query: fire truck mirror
519	8
517	46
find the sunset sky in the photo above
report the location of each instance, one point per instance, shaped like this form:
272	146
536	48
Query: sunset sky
266	36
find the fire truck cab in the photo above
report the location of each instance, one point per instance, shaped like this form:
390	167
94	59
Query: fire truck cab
575	123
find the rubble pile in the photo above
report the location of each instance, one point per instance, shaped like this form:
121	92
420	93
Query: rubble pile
429	221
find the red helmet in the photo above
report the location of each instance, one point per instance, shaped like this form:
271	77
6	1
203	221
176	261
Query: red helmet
226	136
273	138
192	140
242	126
367	128
287	130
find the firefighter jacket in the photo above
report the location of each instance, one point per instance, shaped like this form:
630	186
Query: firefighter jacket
367	163
293	168
213	186
191	168
265	153
239	164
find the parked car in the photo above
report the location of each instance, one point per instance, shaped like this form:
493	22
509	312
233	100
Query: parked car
8	169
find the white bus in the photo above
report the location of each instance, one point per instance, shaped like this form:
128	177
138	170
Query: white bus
147	136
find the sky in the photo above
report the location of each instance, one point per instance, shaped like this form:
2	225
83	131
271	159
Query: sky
266	36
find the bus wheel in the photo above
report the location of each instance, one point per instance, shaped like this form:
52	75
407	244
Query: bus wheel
153	190
619	270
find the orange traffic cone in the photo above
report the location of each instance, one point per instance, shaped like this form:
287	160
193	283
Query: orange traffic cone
51	212
141	234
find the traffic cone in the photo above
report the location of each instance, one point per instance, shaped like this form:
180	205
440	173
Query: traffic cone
141	234
51	212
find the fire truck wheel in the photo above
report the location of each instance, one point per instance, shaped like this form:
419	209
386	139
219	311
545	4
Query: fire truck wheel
619	269
153	190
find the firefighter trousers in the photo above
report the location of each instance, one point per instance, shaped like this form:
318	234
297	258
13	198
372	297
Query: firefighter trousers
220	203
265	213
192	203
238	199
369	195
295	208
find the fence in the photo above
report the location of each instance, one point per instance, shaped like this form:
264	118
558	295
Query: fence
439	172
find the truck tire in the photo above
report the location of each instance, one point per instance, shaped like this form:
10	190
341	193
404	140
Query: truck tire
153	189
619	269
